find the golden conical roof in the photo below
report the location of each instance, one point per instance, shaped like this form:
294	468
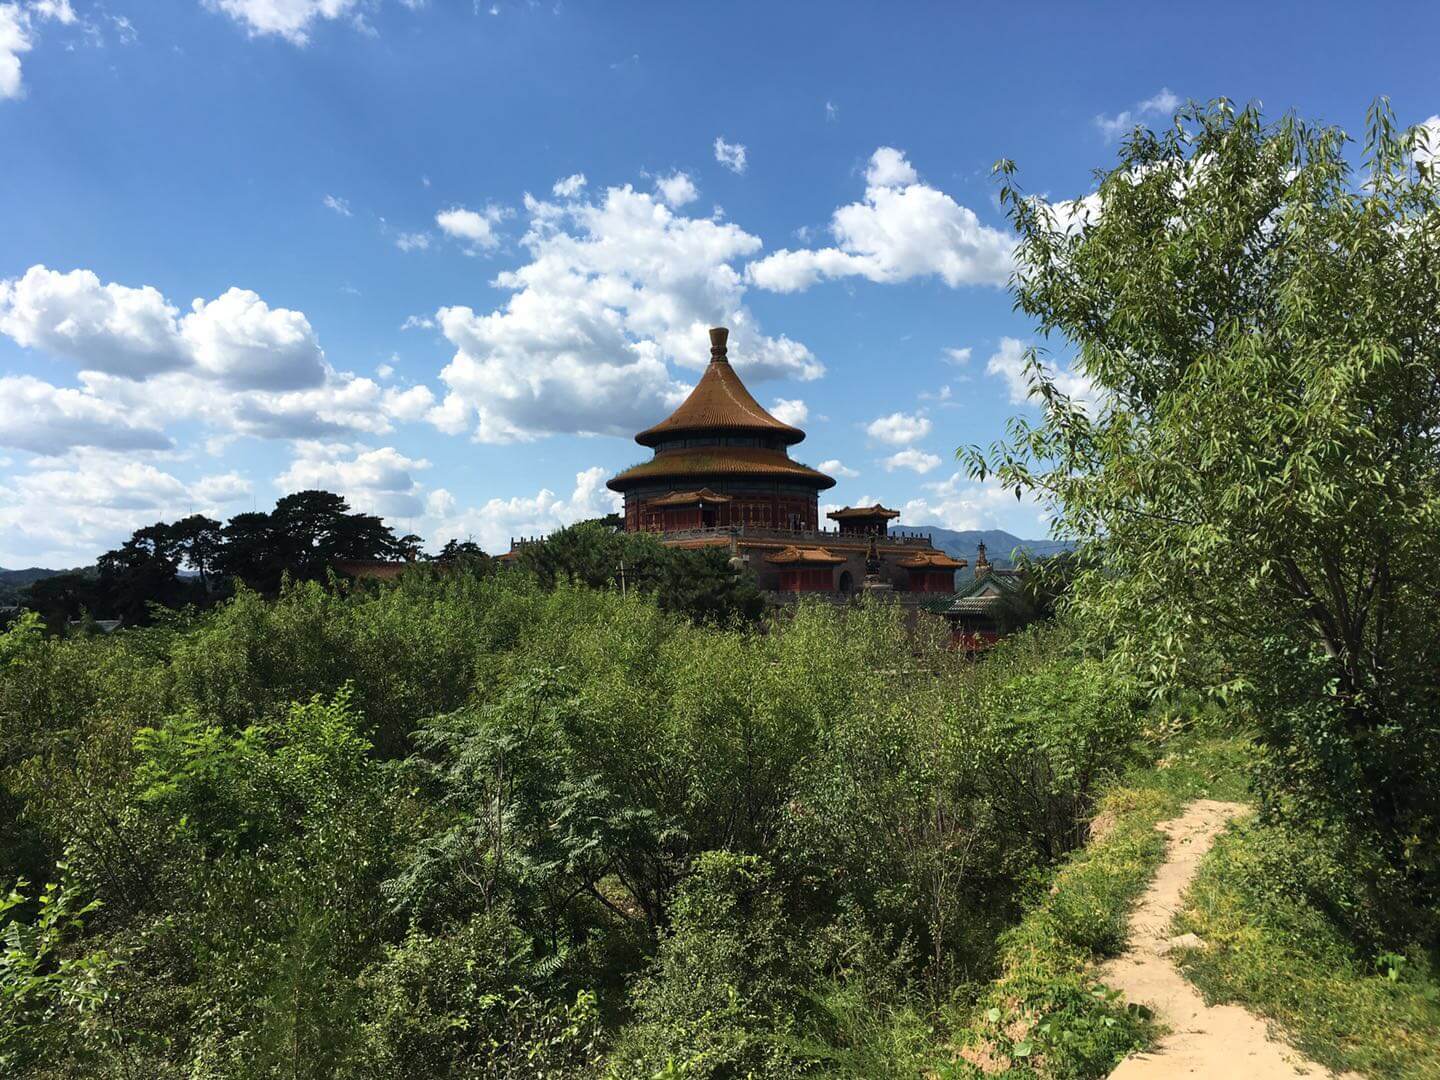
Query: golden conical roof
719	404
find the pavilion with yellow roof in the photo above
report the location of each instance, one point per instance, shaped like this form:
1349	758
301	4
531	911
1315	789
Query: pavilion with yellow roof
721	475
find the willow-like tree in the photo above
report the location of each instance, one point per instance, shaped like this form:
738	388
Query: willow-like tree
1254	470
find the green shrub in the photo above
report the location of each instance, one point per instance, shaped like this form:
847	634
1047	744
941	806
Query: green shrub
930	804
45	994
704	847
1048	1003
472	1002
722	996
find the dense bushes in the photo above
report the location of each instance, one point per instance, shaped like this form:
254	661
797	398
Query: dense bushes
727	984
459	1004
470	826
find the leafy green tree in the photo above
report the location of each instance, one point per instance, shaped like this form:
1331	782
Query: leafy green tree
199	541
1256	475
591	553
142	571
726	985
699	584
465	555
252	551
304	535
501	771
408	547
315	528
703	585
63	597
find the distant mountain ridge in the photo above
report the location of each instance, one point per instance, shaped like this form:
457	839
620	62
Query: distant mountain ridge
1000	546
26	576
13	582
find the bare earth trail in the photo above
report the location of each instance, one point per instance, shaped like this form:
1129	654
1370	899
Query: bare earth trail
1205	1041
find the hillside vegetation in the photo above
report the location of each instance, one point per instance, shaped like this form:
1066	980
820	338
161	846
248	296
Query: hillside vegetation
467	826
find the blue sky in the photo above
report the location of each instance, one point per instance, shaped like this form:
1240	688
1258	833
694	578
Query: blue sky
445	257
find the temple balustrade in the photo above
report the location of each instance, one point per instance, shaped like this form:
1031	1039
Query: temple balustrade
895	538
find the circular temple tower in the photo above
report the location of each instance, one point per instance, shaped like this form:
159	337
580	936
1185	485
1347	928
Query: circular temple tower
720	460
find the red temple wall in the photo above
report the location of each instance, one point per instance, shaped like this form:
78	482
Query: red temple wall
807	579
932	581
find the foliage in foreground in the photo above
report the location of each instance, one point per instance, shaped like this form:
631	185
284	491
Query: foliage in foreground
470	826
1047	1014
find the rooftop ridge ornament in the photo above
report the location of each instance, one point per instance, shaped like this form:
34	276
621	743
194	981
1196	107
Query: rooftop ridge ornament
719	335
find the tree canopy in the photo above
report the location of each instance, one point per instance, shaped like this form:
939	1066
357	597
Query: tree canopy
1255	474
698	583
302	538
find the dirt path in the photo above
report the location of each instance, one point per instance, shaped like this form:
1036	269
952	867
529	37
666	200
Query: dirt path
1205	1041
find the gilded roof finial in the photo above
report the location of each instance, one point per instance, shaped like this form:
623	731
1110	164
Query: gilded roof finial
718	336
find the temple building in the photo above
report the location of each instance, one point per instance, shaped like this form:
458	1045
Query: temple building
992	604
721	475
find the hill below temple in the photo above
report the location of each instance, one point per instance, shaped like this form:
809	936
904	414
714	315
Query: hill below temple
1000	547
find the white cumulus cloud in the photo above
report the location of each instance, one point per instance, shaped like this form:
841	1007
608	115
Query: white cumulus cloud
731	155
475	227
288	19
898	428
45	419
919	460
903	229
1161	104
62	512
1427	140
241	341
111	328
790	411
233	363
222	488
569	187
1008	363
498	520
17	37
379	481
961	503
958	357
14	42
615	289
836	467
677	189
889	168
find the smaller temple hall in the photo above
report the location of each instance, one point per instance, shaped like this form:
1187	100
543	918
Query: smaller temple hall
721	475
